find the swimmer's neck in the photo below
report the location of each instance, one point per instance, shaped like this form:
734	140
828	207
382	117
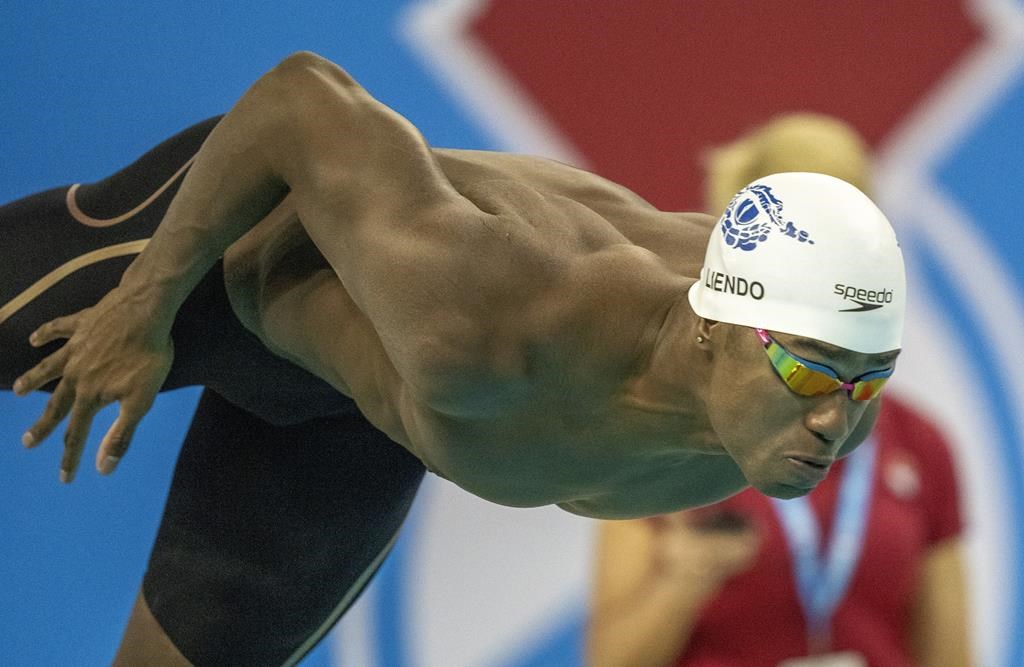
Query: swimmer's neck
672	379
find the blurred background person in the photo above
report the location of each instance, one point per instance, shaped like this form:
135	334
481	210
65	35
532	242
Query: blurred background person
865	570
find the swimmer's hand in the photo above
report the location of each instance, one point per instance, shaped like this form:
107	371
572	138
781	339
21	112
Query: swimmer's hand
118	350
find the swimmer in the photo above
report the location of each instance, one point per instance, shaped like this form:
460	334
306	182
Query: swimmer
695	587
360	307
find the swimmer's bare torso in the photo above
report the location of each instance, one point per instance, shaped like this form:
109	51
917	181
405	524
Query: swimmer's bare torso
575	431
520	326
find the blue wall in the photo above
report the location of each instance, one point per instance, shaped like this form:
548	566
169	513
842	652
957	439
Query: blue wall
85	88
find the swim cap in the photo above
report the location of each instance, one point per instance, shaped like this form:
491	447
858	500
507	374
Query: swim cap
809	255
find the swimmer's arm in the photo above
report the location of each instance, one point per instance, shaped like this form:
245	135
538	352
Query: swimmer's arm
357	170
412	252
303	126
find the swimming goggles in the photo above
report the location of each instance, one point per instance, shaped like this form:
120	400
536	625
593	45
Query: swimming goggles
810	379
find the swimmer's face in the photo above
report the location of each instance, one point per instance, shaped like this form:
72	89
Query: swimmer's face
783	442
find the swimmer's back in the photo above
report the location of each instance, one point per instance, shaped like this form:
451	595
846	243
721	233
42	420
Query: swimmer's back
465	167
269	262
678	238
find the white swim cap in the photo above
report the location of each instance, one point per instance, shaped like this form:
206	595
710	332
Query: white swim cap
808	255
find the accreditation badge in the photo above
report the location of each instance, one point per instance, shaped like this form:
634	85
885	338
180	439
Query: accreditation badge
839	659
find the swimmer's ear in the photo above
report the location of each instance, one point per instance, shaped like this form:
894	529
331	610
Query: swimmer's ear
707	328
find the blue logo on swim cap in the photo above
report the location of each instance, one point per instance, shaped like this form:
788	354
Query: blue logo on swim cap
752	214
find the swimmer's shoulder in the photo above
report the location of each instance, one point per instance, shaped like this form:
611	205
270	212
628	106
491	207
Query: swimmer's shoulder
551	177
679	238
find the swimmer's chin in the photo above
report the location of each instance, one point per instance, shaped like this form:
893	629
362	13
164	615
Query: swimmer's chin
784	491
581	508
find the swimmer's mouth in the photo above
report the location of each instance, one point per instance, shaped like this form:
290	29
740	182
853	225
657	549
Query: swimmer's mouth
814	461
806	472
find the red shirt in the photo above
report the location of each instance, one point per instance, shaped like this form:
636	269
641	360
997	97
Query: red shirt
756	618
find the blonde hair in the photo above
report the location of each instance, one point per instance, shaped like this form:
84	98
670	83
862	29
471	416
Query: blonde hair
792	142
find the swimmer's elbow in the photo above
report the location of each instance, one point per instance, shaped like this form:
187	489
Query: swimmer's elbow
306	89
286	113
305	68
336	144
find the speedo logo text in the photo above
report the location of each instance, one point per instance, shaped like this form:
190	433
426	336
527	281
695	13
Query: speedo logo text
864	298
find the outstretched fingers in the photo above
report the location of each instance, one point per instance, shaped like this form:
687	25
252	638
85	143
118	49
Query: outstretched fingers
55	329
119	436
114	352
82	413
56	409
47	370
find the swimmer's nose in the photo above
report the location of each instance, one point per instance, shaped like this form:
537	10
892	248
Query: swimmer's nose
829	417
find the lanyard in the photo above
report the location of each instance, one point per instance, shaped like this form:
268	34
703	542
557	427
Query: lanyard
823	578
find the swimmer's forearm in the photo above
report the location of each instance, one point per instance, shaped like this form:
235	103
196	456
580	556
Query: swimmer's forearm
240	174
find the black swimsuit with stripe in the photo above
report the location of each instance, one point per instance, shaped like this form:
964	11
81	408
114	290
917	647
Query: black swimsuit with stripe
285	499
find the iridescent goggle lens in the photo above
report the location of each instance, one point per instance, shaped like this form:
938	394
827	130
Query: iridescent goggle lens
810	379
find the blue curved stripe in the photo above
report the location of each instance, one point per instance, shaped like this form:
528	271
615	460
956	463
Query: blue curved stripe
1009	441
983	175
391	617
561	646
